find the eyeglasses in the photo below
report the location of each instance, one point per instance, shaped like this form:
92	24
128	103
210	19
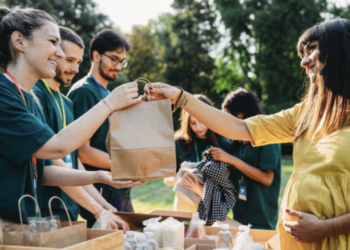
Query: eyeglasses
116	62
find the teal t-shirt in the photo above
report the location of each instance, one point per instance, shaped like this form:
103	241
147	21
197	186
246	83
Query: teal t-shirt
54	120
21	134
85	94
195	154
261	207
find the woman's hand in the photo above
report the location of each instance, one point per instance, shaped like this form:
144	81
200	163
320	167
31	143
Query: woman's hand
156	91
117	222
220	155
105	177
308	228
123	96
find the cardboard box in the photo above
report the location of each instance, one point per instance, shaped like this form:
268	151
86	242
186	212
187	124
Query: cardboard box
168	212
201	247
135	220
267	238
96	239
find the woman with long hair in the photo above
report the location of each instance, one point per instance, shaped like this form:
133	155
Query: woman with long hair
256	171
29	51
315	211
191	140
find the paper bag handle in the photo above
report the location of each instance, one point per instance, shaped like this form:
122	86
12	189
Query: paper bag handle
19	207
64	205
143	80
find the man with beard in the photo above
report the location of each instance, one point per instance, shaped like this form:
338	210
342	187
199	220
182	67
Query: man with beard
107	54
59	112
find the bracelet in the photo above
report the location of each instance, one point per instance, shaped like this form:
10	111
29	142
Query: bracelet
98	212
108	105
182	91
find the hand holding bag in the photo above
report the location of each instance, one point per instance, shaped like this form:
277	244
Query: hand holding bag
141	141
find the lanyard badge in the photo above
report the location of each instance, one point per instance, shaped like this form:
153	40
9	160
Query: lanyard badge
242	189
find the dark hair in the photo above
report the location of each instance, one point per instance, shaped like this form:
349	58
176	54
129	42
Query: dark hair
328	100
107	40
184	135
25	21
242	101
69	35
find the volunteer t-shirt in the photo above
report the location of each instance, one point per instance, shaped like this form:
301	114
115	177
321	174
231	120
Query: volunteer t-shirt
54	120
199	146
21	134
261	205
85	94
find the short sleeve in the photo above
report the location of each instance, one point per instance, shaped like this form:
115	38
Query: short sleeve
21	133
83	100
276	128
270	157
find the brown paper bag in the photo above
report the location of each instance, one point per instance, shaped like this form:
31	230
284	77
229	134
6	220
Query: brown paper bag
69	234
141	142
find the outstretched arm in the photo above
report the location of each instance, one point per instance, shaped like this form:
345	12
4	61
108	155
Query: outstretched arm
216	120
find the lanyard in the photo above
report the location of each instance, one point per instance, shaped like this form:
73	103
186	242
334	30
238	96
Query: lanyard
99	85
196	149
63	112
242	152
35	172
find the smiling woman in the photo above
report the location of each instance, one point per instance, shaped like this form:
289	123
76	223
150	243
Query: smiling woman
30	50
315	211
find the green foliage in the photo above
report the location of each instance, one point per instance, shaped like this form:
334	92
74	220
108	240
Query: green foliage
79	15
188	36
145	56
264	34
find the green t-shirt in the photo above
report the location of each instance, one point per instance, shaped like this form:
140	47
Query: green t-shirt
85	94
21	134
54	120
261	207
195	154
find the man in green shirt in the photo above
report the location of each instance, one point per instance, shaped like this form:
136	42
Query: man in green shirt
107	54
59	113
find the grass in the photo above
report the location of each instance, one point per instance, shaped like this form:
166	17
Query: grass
156	195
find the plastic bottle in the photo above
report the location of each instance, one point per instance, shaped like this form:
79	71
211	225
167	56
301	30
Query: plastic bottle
152	244
241	229
127	245
224	238
141	243
130	238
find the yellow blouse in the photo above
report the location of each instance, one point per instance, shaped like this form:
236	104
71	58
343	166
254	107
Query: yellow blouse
320	182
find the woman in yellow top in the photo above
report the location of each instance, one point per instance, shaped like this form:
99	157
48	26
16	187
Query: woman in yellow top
315	211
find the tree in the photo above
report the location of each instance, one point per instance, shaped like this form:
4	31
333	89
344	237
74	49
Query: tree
188	36
145	56
264	34
79	15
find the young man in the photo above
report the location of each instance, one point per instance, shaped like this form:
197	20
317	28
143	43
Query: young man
59	113
107	54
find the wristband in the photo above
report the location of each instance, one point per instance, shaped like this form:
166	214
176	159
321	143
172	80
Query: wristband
108	105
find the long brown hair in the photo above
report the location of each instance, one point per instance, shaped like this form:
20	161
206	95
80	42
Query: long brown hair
185	135
326	104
